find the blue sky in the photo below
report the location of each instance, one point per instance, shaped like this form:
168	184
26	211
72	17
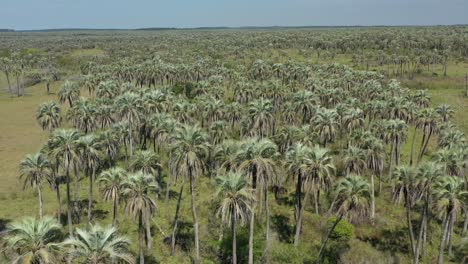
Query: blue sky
40	14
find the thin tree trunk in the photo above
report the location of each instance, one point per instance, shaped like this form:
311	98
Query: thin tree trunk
267	210
59	202
140	237
176	220
148	233
251	231
297	235
465	224
69	209
41	202
131	138
420	236
90	202
450	232
75	194
114	216
408	220
412	147
372	216
194	216
390	166
234	240
324	243
440	258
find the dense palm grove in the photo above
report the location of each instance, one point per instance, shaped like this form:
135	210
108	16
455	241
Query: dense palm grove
275	162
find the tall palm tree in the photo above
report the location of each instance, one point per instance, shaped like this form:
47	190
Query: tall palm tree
34	241
89	147
320	169
63	147
427	121
450	195
235	199
109	143
352	197
395	134
257	159
98	245
326	124
48	116
406	186
127	106
139	205
187	155
110	182
69	92
33	170
355	160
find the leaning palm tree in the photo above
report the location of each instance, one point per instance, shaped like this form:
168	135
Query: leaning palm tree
33	241
235	199
69	92
353	196
97	246
48	116
110	184
187	155
33	170
450	196
63	147
139	205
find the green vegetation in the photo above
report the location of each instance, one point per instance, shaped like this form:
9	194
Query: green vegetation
237	146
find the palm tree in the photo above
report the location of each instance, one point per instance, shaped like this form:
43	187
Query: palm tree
450	196
109	142
90	151
189	149
48	116
110	183
257	159
98	245
326	124
34	241
406	186
234	207
427	121
148	162
69	92
375	154
320	169
355	160
33	169
139	205
352	196
445	112
395	134
63	147
261	117
127	106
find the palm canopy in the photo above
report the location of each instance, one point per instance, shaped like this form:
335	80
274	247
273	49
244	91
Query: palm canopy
98	245
33	241
353	194
146	161
33	169
70	92
235	197
48	115
450	195
136	189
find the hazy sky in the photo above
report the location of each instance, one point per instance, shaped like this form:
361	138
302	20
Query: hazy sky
39	14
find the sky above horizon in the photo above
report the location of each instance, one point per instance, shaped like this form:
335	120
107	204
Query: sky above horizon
45	14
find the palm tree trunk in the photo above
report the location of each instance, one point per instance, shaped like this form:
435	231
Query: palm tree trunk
420	236
41	202
465	224
297	235
408	220
90	199
316	202
69	209
131	138
176	220
412	147
267	210
75	194
251	231
114	216
440	258
260	206
422	144
298	198
390	166
372	216
148	233
59	202
194	216
140	237
324	243
450	232
8	81
234	242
